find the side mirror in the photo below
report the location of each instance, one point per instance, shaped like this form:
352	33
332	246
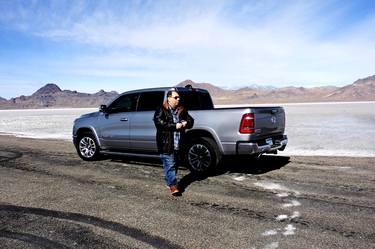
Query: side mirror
103	108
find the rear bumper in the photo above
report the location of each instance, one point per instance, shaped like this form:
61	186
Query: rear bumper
249	148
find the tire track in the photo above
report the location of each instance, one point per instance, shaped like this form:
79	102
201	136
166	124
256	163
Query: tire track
268	217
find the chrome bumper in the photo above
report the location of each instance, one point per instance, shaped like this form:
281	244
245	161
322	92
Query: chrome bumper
248	148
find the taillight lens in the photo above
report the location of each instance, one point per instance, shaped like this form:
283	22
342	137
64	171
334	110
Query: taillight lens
247	123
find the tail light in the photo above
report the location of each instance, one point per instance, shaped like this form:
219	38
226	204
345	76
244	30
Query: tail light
247	123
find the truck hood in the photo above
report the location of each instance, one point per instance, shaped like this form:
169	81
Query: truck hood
89	115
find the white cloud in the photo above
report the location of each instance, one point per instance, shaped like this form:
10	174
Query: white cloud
266	42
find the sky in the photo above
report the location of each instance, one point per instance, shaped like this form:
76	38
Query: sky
89	45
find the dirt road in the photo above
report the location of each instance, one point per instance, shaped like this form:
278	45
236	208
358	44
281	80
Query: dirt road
49	198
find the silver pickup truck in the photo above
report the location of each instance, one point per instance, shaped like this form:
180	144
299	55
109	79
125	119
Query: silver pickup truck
126	127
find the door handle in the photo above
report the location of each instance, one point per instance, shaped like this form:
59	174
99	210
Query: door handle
124	119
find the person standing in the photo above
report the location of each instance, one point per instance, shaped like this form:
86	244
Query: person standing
171	121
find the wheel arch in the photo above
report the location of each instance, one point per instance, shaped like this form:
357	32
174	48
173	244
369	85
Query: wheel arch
200	132
83	130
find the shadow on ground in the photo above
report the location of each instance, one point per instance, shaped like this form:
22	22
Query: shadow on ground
236	164
244	165
254	165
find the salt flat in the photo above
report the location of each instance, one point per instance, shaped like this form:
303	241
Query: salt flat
321	129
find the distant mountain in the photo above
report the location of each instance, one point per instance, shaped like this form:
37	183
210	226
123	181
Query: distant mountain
51	95
48	89
214	90
362	89
267	94
287	94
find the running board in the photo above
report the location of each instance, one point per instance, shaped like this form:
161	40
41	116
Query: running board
108	152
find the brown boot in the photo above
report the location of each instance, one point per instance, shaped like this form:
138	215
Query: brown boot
174	190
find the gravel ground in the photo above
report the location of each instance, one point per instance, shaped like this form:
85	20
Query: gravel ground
50	198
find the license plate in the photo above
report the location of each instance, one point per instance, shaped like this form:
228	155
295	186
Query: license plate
269	141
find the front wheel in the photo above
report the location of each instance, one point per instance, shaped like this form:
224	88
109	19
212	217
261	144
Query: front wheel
202	154
87	147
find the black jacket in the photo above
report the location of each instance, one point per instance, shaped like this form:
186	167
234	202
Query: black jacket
165	126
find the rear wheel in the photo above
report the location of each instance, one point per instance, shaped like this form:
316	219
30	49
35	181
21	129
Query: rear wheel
87	147
202	155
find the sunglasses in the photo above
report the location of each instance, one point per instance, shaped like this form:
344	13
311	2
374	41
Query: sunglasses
176	97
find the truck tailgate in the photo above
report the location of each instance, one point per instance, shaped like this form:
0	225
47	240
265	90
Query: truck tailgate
268	121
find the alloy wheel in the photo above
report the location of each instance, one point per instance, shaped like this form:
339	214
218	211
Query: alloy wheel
199	157
87	147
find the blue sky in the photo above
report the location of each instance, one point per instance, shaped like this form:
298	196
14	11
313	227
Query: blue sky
122	45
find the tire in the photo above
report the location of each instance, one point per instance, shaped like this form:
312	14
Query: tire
202	155
87	147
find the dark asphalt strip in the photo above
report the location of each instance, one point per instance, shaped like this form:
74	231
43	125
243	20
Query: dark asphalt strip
135	233
32	239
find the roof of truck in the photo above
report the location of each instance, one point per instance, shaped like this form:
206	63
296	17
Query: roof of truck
166	89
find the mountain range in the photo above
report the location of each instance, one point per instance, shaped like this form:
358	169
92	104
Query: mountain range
51	95
360	90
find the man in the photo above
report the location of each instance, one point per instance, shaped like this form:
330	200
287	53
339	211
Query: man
171	120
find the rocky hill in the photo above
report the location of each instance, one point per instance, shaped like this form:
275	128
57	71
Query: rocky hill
214	90
362	89
52	96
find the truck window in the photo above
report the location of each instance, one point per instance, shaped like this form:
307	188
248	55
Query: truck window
150	101
194	100
124	103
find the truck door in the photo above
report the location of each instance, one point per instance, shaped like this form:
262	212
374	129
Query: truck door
115	123
142	128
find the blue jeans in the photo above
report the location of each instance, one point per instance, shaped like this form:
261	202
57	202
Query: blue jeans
170	168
